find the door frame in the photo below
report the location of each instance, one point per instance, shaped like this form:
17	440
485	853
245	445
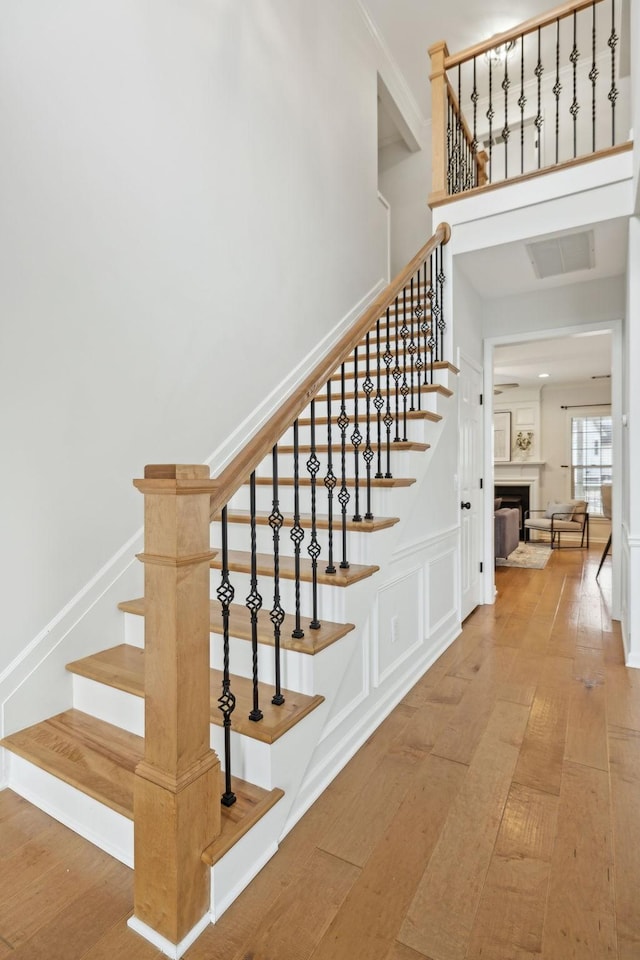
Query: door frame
489	343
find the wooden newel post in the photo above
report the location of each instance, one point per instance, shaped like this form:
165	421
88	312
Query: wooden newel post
438	77
177	785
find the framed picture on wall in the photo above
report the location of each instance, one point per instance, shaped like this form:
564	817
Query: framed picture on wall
502	437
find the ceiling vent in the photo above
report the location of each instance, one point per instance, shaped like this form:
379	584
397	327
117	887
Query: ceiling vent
559	255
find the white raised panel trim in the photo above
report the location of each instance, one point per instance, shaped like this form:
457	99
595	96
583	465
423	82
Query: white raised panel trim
378	676
426	543
453	609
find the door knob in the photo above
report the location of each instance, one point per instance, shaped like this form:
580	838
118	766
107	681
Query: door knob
465	506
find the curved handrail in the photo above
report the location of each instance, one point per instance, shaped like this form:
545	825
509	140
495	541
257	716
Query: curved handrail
242	465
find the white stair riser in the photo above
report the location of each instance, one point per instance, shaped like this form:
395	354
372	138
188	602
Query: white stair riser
331	600
297	669
362	547
416	430
385	501
89	818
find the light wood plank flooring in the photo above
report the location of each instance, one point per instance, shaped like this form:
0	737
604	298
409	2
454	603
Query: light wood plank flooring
493	816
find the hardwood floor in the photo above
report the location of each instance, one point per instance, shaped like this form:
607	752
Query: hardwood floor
493	815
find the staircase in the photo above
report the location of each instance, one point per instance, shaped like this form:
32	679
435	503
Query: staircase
277	703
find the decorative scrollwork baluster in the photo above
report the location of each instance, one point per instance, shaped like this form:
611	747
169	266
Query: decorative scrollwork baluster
226	701
593	76
378	400
612	96
404	389
344	495
417	312
397	374
557	89
277	613
367	386
539	70
313	466
522	100
388	419
574	56
330	484
297	533
356	440
254	603
490	115
506	132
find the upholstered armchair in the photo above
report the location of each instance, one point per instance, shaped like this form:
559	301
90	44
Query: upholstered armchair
558	518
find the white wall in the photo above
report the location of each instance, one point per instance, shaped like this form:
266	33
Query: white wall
190	204
405	181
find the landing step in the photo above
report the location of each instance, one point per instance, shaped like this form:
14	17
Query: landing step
398	445
240	626
100	760
411	415
122	667
383	482
240	562
322	522
424	388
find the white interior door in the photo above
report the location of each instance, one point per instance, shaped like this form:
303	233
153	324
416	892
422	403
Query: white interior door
470	485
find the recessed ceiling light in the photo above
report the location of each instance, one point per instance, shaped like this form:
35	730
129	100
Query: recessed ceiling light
544	375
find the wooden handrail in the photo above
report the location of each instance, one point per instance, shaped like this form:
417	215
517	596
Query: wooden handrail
529	26
241	467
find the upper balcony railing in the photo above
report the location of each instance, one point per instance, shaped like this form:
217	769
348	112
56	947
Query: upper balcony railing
546	93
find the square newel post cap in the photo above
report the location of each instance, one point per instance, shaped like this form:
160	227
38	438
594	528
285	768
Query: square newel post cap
176	478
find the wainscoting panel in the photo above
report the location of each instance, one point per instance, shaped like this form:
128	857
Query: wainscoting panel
399	622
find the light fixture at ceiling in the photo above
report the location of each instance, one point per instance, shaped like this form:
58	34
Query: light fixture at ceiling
499	387
543	376
499	53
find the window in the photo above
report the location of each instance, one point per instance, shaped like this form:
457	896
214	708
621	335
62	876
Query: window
591	448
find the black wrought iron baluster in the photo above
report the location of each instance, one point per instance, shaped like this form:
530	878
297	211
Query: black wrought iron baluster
313	465
330	484
522	100
557	89
593	76
277	613
441	318
344	495
432	341
388	419
412	344
254	603
297	533
474	142
378	400
450	182
367	386
574	56
490	115
539	70
356	440
227	700
461	171
404	389
397	374
506	83
612	96
427	323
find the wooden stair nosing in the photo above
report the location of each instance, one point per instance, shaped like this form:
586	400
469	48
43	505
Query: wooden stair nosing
322	521
425	388
411	415
403	446
86	753
240	627
376	482
238	819
240	562
122	667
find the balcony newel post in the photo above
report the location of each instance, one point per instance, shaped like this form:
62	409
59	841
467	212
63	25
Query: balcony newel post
438	77
177	784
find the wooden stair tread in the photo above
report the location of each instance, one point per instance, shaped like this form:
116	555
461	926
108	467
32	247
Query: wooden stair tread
322	521
411	415
122	667
94	756
240	626
99	759
424	388
383	482
398	445
240	562
251	805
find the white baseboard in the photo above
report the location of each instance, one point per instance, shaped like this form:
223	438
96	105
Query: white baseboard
173	950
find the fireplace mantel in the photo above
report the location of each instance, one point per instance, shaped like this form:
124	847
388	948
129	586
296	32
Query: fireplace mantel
519	473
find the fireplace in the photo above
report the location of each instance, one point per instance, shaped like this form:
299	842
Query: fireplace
514	495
